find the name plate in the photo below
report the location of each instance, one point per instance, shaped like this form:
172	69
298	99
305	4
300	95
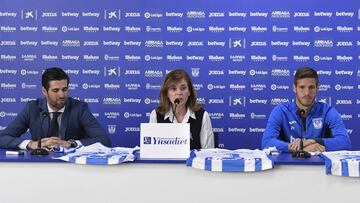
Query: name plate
164	140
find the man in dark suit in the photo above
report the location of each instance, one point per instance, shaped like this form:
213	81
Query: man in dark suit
57	119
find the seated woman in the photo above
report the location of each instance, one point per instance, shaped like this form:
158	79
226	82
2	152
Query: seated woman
178	105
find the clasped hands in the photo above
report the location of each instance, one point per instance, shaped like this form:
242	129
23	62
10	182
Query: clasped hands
49	143
310	145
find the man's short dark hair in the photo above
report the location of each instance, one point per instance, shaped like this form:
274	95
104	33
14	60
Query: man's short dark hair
306	72
53	73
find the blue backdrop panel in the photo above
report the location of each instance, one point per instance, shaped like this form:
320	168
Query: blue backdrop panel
241	54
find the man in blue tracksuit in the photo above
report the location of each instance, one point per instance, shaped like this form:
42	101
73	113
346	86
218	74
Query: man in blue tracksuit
325	130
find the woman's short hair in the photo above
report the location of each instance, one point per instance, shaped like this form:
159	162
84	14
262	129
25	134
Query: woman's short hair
176	76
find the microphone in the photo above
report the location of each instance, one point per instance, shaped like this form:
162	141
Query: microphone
40	151
176	102
301	153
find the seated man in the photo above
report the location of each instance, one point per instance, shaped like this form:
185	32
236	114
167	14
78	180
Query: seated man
325	130
57	119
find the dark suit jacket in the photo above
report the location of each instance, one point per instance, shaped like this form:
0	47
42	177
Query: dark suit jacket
77	123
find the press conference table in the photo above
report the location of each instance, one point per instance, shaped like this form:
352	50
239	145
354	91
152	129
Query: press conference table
33	179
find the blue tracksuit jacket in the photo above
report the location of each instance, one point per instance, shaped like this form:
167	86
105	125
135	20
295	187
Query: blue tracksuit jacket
323	124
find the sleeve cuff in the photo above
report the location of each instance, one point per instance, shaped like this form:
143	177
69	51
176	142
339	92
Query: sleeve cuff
23	144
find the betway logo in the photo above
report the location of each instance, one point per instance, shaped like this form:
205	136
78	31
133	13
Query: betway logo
300	43
236	130
324	72
322	14
237	14
195	58
237	72
345	14
8	71
279	43
256	130
111	43
237	29
344	72
216	43
132	100
257	101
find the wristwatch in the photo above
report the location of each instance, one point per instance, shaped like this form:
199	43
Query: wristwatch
72	143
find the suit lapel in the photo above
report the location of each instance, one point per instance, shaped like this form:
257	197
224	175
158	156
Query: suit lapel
44	118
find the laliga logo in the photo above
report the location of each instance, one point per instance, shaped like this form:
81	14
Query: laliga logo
337	87
23	72
147	15
85	86
210	87
273	87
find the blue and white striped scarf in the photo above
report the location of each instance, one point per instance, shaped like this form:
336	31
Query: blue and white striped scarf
98	154
241	160
342	163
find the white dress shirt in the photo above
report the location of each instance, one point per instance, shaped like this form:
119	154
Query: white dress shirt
206	133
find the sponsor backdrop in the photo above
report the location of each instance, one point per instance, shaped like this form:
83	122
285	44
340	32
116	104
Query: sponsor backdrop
241	54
